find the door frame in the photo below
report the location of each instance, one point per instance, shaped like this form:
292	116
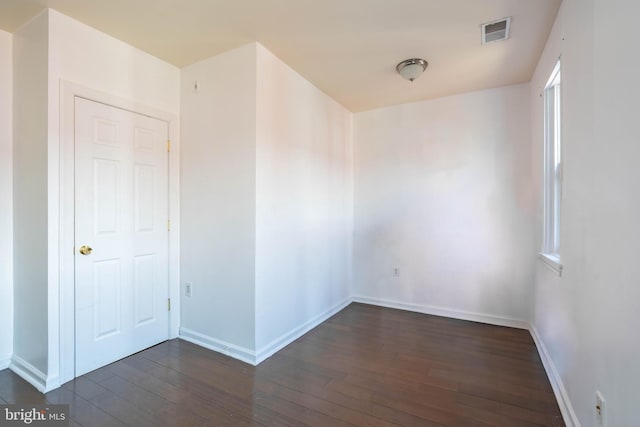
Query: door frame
66	308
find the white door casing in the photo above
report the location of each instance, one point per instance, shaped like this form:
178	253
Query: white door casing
121	212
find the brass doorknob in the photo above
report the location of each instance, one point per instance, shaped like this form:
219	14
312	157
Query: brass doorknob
85	250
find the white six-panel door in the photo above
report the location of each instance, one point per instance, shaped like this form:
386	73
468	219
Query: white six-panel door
121	214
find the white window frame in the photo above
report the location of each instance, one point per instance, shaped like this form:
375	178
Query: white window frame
552	160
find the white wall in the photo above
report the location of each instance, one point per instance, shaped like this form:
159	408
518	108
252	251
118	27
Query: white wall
303	203
6	201
83	55
48	51
91	59
442	192
30	249
218	199
266	200
587	318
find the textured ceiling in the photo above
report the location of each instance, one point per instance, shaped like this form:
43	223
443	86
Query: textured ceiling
347	48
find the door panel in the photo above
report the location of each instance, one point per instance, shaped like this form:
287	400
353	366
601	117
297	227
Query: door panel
106	298
121	212
106	174
144	287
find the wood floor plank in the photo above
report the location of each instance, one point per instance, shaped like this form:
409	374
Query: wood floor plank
203	393
365	366
14	389
331	409
81	410
299	413
361	399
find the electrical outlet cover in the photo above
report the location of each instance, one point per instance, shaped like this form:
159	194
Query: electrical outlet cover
601	410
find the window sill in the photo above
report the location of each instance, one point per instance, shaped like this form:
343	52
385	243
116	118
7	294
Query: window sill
552	262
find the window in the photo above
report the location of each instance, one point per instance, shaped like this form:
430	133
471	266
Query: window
552	171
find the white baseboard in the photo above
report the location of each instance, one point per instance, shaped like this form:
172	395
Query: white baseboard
566	408
33	375
241	353
446	312
249	356
289	337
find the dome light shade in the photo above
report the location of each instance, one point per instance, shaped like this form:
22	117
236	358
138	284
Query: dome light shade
411	69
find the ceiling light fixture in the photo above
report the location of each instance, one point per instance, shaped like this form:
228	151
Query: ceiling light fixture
411	69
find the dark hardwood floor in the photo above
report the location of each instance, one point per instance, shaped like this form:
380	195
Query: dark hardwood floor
366	366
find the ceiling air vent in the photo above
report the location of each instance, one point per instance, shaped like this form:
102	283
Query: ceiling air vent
496	30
